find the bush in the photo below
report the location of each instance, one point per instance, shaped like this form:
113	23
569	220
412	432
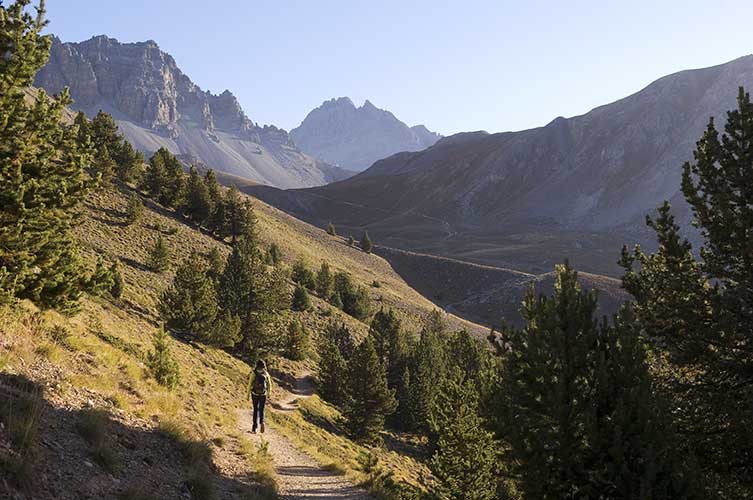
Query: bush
161	363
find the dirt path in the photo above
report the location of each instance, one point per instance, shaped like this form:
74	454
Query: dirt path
299	475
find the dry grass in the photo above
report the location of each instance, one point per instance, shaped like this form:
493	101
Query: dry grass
101	350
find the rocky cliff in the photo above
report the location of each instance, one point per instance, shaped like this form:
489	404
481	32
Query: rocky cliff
354	138
157	105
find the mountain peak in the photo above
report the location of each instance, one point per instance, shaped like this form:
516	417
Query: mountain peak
354	138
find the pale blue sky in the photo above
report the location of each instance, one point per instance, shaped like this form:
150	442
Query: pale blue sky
453	65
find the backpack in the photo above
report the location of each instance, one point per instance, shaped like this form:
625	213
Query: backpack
259	386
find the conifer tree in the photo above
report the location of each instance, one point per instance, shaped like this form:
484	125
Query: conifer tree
390	343
331	229
258	296
42	176
302	274
129	162
155	175
428	366
117	280
335	300
323	281
101	280
160	361
84	128
351	241
225	331
134	209
215	264
369	400
189	305
366	245
104	167
699	309
297	342
355	300
465	461
198	202
564	379
275	255
174	190
213	190
301	300
239	216
159	257
104	132
332	372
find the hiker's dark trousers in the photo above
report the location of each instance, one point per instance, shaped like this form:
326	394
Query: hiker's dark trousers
259	402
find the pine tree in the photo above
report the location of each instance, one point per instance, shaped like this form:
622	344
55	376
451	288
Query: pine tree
301	300
117	280
134	209
699	310
465	461
331	229
274	254
215	264
302	275
155	175
189	305
428	366
355	300
257	295
369	400
335	300
214	192
239	216
391	344
323	281
42	177
159	257
225	331
198	202
129	162
101	280
160	361
366	245
104	167
351	241
104	132
564	379
332	372
297	342
84	129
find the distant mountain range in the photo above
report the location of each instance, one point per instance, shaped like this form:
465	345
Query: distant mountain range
157	105
578	187
354	138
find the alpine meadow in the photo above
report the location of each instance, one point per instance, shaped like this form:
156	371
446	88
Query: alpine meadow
195	306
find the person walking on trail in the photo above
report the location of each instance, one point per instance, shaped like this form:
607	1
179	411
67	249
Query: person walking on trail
261	385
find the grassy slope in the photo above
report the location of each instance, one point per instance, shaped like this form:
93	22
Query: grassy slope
101	365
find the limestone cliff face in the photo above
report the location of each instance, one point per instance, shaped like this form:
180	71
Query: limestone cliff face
157	105
354	138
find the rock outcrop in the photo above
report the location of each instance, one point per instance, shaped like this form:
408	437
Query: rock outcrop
157	105
354	138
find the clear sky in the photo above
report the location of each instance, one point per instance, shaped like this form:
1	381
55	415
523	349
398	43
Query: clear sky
452	65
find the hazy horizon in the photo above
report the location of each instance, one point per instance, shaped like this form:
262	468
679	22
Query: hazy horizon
427	63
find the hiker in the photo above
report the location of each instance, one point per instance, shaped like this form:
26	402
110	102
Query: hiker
261	385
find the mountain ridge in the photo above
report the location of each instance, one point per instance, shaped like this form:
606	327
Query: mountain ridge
156	105
510	198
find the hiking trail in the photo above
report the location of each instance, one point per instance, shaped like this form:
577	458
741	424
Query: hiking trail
298	474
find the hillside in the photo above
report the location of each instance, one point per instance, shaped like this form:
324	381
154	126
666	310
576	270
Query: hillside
578	187
99	426
156	105
354	138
